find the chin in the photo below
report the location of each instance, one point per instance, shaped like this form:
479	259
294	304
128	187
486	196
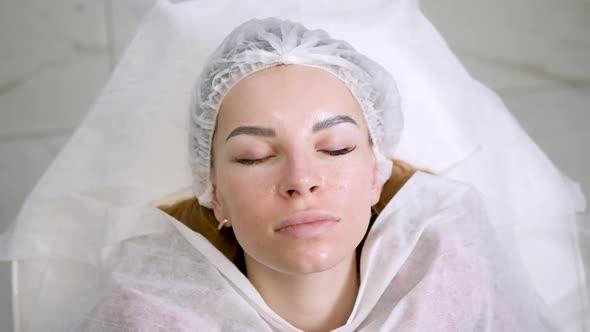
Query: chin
310	261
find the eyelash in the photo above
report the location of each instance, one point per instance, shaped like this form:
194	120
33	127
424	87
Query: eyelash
252	161
339	152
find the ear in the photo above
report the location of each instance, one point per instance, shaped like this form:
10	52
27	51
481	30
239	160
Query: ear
375	183
216	205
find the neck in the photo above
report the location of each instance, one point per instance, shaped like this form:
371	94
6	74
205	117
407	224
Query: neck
320	301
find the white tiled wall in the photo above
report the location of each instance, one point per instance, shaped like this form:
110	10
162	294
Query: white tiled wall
53	63
56	55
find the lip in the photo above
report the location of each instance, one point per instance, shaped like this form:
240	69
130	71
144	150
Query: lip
307	224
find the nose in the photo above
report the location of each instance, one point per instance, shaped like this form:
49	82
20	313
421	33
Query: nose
300	178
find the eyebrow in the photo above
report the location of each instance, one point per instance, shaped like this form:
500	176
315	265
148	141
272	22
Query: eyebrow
269	132
251	130
331	122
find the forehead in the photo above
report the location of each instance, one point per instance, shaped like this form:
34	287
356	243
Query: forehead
288	91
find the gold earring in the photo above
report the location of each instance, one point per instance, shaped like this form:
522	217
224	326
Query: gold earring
221	224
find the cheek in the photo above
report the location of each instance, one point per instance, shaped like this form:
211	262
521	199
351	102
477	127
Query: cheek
351	182
248	203
245	196
242	186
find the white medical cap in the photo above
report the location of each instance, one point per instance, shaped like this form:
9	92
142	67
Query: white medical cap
259	44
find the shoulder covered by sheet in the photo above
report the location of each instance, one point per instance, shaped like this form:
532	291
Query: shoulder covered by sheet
431	259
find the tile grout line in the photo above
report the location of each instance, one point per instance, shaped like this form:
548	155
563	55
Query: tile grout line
538	88
533	70
109	32
35	134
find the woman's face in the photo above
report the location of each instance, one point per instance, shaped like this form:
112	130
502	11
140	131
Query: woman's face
294	172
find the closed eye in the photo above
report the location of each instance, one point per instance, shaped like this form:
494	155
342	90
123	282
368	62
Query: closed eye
252	161
339	152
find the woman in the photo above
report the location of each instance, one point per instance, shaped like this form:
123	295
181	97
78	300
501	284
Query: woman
290	129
